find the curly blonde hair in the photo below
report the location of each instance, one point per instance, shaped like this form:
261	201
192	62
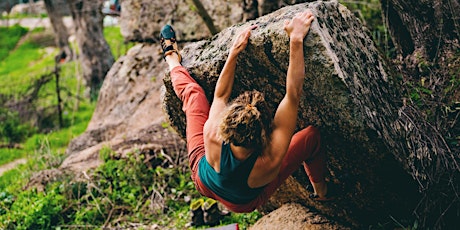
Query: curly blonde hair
247	122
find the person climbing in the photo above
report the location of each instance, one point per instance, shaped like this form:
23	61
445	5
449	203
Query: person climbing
238	153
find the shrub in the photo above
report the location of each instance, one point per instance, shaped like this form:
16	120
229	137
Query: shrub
32	209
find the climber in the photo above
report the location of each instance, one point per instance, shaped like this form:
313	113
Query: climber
239	153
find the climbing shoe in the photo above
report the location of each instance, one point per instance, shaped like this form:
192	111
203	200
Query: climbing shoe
197	212
212	215
168	41
331	193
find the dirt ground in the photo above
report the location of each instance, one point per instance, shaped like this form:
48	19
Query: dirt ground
11	165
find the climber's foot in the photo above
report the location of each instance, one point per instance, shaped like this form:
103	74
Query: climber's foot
168	42
315	196
330	190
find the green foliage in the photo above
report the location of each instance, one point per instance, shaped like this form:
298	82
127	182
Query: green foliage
18	72
118	187
126	189
43	209
244	220
123	190
116	42
14	180
10	154
418	92
28	209
6	201
11	129
9	37
370	13
28	62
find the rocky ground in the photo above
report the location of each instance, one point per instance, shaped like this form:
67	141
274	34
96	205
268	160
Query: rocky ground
295	216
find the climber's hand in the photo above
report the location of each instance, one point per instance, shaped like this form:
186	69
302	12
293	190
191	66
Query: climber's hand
241	40
297	28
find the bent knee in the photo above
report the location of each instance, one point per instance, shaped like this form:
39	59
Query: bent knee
192	89
311	131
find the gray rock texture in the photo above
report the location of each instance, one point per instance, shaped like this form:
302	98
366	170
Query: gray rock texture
295	216
348	93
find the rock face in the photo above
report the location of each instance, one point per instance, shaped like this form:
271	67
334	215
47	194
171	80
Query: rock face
295	216
348	93
141	20
36	8
128	114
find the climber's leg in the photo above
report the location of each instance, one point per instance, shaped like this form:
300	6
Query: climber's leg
195	105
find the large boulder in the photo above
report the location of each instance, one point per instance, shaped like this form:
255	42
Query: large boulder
348	92
128	114
29	8
295	216
141	20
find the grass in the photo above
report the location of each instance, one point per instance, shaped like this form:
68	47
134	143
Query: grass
7	155
31	60
59	139
14	180
117	194
28	62
9	37
23	65
116	43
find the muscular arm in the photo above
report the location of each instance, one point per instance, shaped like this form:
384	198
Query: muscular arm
222	93
285	119
224	84
286	115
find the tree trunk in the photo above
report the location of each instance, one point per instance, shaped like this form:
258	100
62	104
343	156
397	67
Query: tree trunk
62	36
250	10
95	54
267	6
421	30
426	36
205	16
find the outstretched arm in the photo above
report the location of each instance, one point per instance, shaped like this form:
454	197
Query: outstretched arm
286	115
221	95
224	84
